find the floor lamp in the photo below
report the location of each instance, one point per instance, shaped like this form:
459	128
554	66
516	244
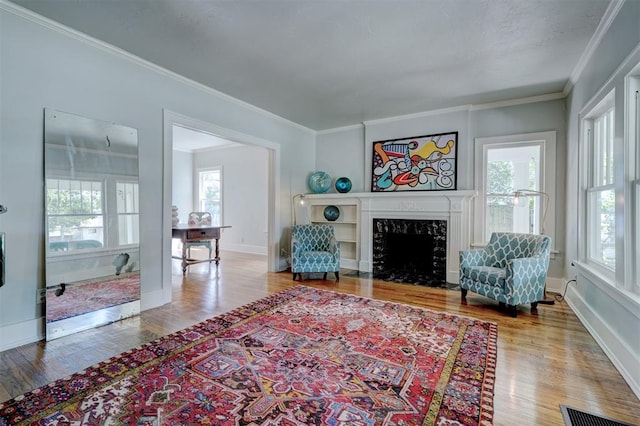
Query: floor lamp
300	198
533	193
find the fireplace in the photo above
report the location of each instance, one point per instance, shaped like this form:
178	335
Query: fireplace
410	251
448	212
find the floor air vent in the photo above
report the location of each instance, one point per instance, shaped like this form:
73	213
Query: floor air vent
575	417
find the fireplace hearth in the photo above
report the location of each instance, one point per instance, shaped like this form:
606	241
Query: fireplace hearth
410	251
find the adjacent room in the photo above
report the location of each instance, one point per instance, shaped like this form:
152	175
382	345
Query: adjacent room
320	212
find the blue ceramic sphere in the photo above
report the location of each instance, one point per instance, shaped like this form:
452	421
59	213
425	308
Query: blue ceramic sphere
343	184
319	182
331	213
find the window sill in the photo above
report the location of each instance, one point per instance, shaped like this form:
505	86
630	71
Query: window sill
606	283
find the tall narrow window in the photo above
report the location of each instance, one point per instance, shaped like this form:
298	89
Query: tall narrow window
210	193
633	149
505	165
75	218
128	213
600	190
509	169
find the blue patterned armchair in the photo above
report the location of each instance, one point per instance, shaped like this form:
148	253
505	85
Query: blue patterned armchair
511	269
314	249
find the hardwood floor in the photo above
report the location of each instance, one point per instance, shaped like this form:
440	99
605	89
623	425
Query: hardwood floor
543	360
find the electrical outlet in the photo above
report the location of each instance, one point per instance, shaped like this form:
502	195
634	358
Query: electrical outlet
41	295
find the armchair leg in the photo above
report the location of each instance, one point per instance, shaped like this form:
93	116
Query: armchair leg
294	275
324	277
463	296
337	276
513	310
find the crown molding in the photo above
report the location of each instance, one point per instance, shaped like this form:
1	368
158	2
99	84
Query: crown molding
123	54
604	25
462	108
340	129
416	115
520	101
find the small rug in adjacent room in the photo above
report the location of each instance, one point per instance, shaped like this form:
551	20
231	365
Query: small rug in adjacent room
575	417
302	356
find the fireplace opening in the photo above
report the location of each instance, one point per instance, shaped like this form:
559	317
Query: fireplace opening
410	251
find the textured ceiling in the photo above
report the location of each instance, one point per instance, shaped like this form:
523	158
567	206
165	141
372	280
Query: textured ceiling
326	64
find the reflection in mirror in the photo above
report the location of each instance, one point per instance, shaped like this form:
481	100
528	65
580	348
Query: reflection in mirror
91	221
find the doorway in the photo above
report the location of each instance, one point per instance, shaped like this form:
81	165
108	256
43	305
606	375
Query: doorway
234	146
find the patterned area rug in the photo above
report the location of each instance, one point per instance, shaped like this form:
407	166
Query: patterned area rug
303	356
89	296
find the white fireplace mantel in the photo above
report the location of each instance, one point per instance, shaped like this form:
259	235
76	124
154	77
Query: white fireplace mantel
452	206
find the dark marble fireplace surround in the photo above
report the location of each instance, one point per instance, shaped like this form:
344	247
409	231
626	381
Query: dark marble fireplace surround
410	251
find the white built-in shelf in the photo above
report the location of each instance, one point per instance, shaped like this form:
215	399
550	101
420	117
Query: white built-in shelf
346	226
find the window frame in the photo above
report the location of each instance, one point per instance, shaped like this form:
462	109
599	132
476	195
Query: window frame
103	212
547	143
590	187
110	215
632	184
118	215
197	197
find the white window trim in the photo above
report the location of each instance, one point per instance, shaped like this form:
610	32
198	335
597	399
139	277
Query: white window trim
116	232
632	181
547	141
109	213
196	190
593	109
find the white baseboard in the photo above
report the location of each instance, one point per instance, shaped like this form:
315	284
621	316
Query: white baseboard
622	357
21	333
154	299
245	248
556	285
453	277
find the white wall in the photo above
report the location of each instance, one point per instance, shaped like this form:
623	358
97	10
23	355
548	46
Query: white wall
612	315
44	65
244	180
182	184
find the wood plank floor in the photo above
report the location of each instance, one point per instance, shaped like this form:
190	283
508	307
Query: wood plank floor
543	360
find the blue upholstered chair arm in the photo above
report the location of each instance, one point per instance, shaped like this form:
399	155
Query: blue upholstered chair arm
297	246
527	271
523	269
334	247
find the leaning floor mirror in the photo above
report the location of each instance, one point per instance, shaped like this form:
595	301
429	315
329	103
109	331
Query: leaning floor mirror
91	223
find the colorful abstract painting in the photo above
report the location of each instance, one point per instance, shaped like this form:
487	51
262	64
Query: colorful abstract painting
420	163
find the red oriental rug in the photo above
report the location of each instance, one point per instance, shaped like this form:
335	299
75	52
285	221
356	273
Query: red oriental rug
303	356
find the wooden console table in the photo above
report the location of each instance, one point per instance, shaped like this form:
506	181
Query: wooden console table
186	233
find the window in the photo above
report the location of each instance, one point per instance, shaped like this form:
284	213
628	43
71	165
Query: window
508	164
509	169
599	185
91	214
633	149
75	214
127	209
210	193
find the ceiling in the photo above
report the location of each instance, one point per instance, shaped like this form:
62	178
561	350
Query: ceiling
330	63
